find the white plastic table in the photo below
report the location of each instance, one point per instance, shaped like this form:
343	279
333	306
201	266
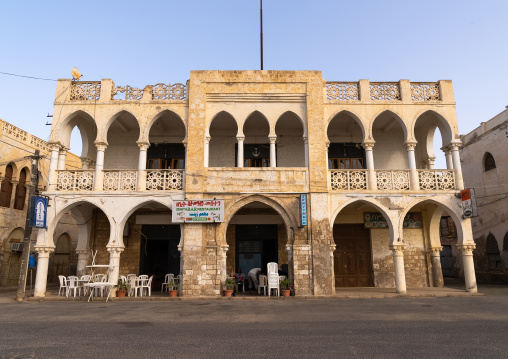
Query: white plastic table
95	285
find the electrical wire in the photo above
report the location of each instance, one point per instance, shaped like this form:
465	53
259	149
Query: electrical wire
28	77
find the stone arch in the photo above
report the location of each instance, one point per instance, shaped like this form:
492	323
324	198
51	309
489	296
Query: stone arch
253	114
229	212
274	126
6	186
443	125
16	233
21	188
489	163
145	131
87	126
397	117
492	252
218	114
103	131
221	136
382	209
351	114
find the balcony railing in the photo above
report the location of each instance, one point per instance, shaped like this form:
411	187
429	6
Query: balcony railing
392	180
121	180
79	180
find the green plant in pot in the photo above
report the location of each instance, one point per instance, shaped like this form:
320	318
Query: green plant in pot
284	287
121	288
173	288
230	285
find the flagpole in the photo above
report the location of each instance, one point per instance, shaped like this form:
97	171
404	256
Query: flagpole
261	18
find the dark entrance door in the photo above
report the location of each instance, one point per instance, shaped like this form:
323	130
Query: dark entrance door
447	261
352	257
159	250
256	245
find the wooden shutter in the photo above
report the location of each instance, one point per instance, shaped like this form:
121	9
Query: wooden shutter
19	201
6	189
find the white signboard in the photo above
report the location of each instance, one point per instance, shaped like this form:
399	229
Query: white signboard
469	207
198	211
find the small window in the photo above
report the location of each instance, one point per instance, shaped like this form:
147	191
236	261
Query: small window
489	162
493	255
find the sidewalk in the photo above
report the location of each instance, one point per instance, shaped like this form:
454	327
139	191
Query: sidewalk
452	288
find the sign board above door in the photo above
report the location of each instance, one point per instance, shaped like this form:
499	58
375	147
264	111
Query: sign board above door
198	211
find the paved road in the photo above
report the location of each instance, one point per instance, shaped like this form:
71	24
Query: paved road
460	327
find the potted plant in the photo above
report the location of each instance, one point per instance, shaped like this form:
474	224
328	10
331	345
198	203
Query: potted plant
173	288
122	288
284	287
230	285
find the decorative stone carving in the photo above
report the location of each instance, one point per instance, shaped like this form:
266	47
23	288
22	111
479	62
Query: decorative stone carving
85	91
75	180
130	93
169	92
425	91
120	180
164	180
392	180
436	179
384	91
343	91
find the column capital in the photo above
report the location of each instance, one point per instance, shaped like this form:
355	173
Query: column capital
306	140
332	249
143	145
368	145
240	138
86	161
272	138
101	146
207	139
397	248
455	145
43	250
184	142
446	149
436	250
410	145
81	252
55	145
115	250
466	247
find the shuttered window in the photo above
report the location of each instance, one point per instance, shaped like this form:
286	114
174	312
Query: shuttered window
490	164
6	188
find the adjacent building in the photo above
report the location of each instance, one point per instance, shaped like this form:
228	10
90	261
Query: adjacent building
484	156
359	154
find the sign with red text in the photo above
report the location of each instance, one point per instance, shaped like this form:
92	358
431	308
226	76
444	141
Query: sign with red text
469	208
198	211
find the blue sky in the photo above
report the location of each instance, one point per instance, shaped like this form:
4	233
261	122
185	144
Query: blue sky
140	43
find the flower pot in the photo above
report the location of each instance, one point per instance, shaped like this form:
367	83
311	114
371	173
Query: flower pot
228	292
285	292
120	293
173	293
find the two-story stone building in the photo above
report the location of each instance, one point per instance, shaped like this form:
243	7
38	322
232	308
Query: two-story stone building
361	152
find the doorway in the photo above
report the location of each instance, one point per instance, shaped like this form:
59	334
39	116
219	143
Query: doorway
159	250
256	245
352	256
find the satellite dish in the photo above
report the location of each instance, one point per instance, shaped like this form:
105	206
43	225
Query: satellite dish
76	74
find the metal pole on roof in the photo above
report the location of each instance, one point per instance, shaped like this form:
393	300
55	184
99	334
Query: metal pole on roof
261	18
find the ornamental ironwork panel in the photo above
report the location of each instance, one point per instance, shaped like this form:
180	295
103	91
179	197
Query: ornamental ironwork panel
425	91
343	91
75	180
126	93
120	180
169	92
349	179
384	91
164	180
85	91
392	180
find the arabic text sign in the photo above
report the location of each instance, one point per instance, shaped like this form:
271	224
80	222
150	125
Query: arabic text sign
38	210
303	209
198	211
376	220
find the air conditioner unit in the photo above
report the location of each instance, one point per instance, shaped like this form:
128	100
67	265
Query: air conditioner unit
16	247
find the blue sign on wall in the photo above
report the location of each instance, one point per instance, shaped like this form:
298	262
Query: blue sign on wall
303	210
38	211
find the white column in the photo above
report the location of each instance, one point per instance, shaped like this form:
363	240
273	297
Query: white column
437	272
143	147
430	163
459	182
85	163
448	156
240	140
53	165
61	158
83	255
327	144
41	278
415	182
468	264
398	266
99	166
273	155
369	157
14	187
114	263
207	151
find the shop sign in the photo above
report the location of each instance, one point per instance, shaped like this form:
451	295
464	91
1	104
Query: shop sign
375	220
469	208
38	211
198	211
303	209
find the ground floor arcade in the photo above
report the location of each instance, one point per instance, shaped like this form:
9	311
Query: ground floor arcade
386	242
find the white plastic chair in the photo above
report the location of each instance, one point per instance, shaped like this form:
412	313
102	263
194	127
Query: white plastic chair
262	284
273	278
123	279
63	285
72	285
168	278
85	279
148	285
134	286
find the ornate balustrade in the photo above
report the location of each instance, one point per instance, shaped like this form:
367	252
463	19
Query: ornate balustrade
342	91
14	132
436	180
79	180
119	180
164	180
85	91
348	179
126	93
384	91
169	92
392	180
425	91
